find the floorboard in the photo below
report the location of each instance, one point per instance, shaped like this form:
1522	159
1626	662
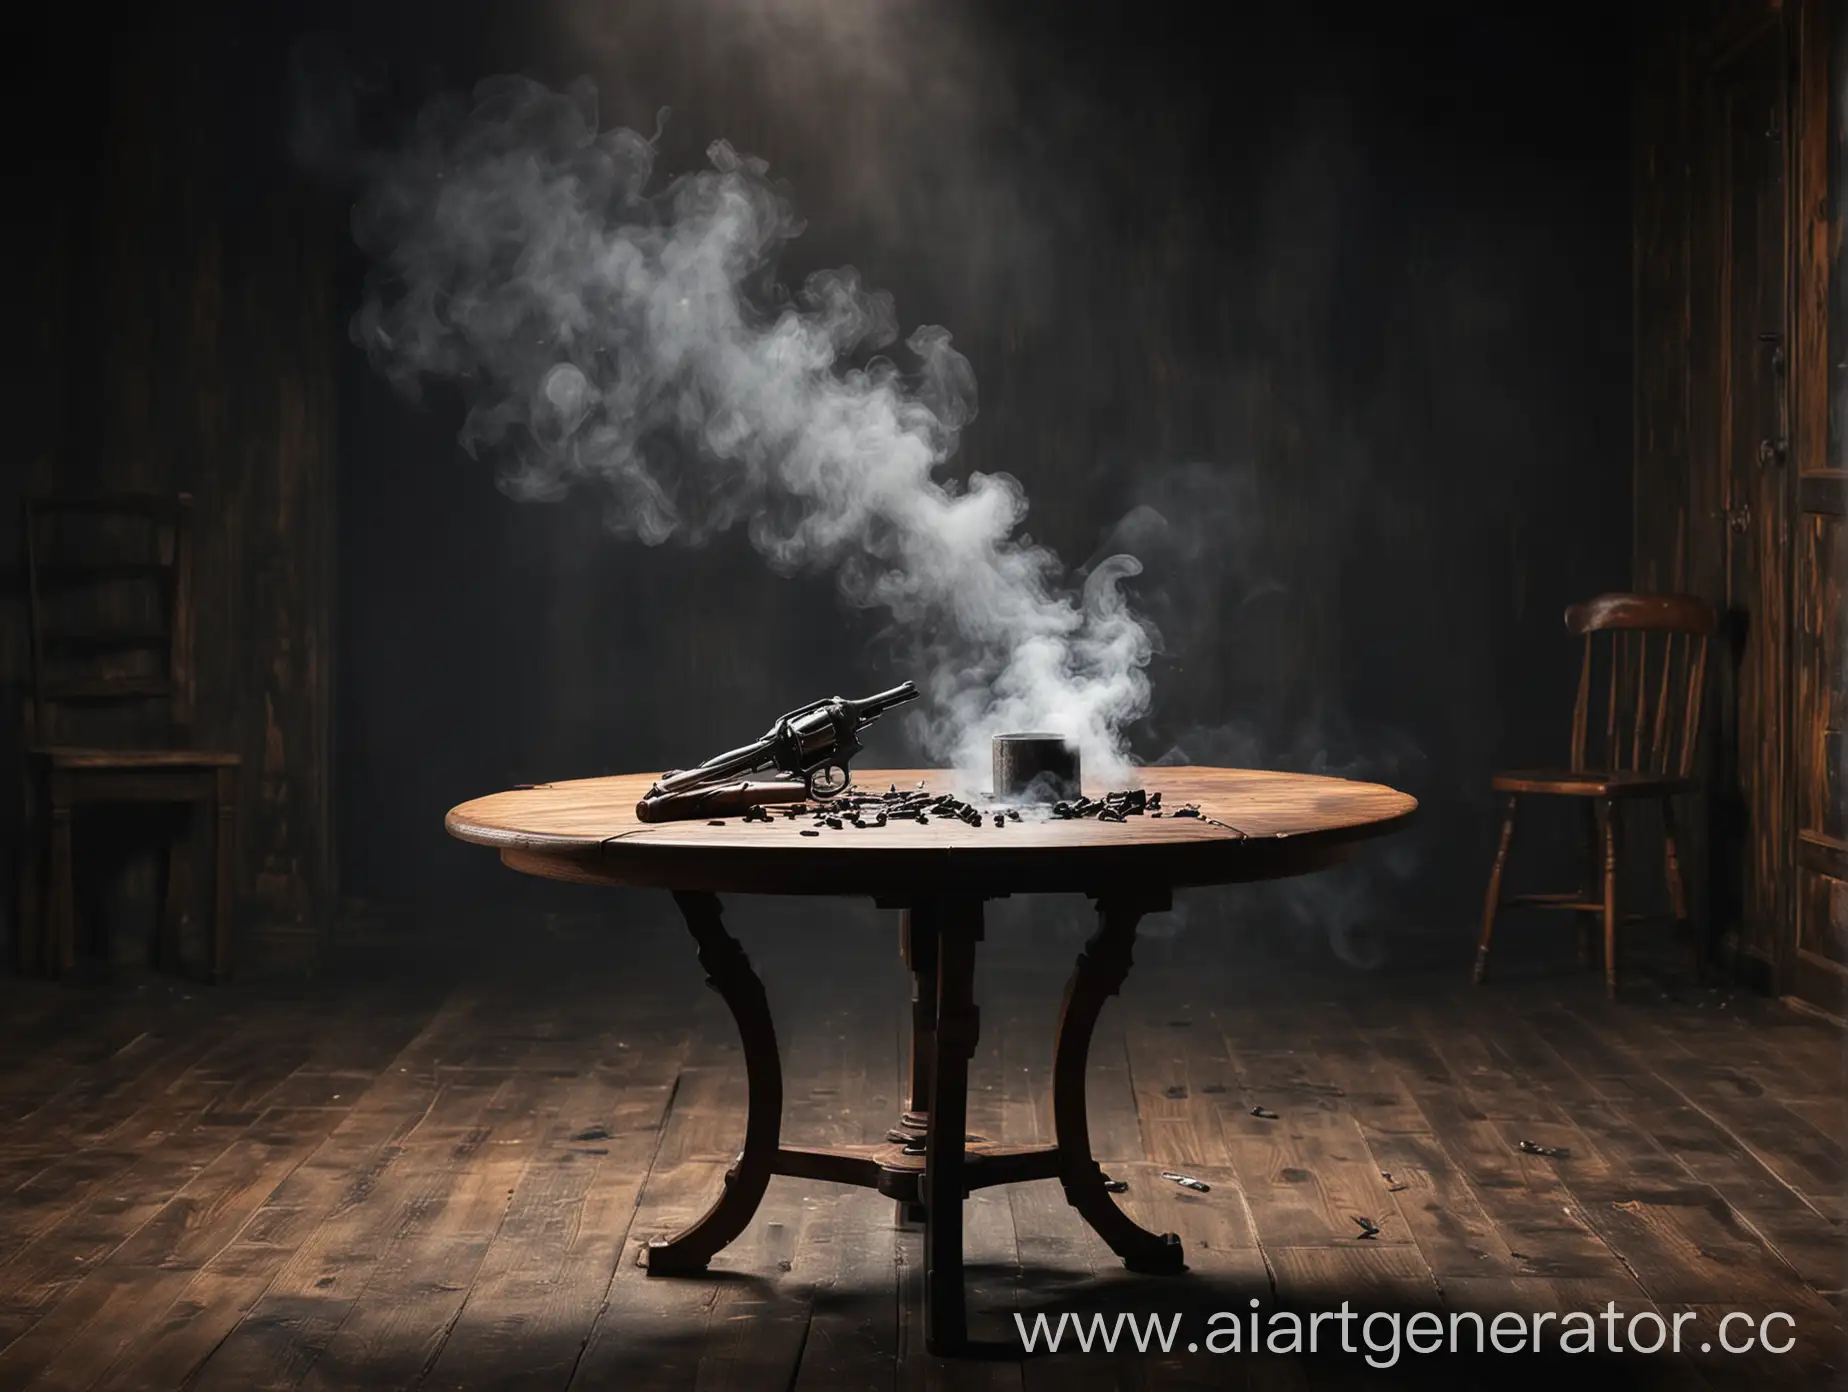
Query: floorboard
443	1181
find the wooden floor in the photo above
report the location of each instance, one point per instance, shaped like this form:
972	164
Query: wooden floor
414	1182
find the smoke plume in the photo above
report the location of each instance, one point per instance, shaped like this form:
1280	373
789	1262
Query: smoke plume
635	341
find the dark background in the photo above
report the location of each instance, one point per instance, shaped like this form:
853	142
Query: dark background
1341	292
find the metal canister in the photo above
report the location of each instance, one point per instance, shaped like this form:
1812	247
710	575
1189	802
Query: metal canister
1035	767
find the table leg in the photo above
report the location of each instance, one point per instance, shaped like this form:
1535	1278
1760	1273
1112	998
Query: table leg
1099	974
957	1025
917	943
918	929
728	971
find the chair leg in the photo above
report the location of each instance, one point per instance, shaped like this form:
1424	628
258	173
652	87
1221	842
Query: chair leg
1590	883
1677	888
1492	900
1610	899
176	891
224	872
29	925
28	929
61	950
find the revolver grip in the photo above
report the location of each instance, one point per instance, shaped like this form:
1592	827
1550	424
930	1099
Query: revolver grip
721	800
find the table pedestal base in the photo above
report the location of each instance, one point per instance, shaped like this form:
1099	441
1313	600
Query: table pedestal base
939	938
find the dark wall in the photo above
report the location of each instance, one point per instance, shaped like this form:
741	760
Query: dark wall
1342	294
1343	297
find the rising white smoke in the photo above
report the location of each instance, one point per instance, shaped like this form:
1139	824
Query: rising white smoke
635	340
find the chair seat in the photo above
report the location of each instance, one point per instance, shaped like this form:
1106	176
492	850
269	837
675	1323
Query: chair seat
1590	783
75	757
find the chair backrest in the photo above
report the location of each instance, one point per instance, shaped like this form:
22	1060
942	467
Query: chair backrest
109	586
1641	712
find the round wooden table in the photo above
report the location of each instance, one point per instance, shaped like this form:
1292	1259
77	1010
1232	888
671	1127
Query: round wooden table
1253	825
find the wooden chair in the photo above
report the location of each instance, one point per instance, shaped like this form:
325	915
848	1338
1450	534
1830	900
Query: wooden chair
1650	695
109	583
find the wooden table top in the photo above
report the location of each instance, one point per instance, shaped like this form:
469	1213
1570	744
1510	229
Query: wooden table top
1254	825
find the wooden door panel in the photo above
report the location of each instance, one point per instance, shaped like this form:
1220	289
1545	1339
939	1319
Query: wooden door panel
1824	911
1821	715
1814	956
1752	794
1822	690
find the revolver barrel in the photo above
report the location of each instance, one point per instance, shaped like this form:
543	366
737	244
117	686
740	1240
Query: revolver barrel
870	708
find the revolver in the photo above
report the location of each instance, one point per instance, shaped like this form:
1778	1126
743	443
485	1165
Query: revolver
809	747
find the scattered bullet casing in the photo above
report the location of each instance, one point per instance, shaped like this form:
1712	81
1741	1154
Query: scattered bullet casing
1546	1151
1187	1182
868	811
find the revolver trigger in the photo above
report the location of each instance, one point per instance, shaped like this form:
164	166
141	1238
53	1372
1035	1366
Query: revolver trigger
829	780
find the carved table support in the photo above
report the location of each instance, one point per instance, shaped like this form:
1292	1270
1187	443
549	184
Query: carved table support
1098	975
917	929
728	971
958	1025
917	948
929	1162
